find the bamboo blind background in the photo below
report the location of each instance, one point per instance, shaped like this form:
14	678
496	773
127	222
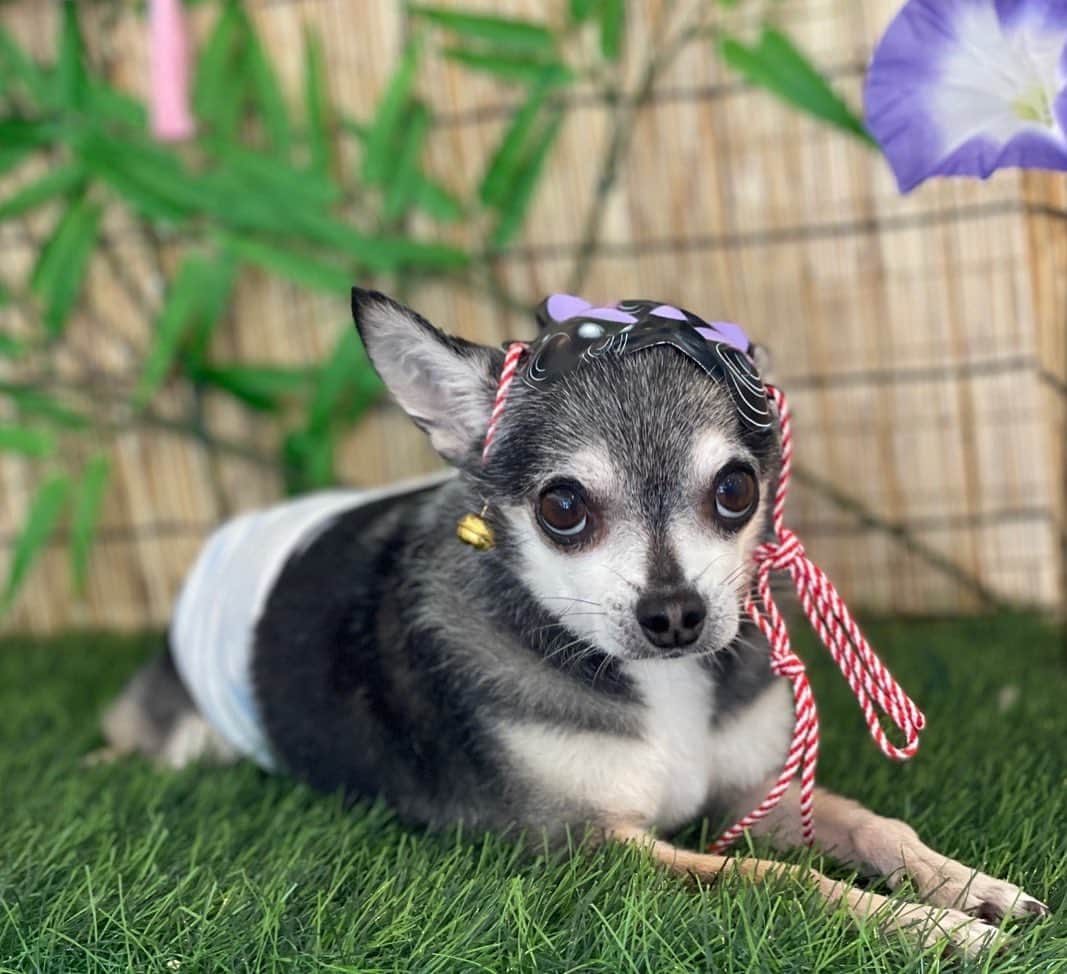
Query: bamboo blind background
921	339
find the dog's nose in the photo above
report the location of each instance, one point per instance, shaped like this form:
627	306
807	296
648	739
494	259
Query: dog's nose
671	618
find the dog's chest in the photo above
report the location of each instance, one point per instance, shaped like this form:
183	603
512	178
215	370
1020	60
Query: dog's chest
664	775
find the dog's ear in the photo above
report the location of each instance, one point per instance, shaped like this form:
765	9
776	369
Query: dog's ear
445	384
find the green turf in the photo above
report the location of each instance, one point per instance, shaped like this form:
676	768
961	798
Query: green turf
123	868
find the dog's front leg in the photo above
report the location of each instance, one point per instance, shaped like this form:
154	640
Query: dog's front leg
923	925
888	847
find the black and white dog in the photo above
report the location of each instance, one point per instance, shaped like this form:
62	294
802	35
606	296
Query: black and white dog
591	669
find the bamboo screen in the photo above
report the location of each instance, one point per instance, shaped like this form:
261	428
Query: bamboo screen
921	339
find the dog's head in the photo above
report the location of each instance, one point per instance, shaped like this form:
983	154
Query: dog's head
628	494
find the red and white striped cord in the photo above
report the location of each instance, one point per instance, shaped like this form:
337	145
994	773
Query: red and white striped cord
867	676
507	376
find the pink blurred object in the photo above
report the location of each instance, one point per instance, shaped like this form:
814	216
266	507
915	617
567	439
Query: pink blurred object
171	119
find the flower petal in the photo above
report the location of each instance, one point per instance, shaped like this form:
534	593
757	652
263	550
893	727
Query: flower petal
965	87
564	306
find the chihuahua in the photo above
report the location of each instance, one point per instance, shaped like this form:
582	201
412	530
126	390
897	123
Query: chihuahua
592	669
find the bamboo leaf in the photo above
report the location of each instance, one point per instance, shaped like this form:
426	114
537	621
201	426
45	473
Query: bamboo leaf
510	67
88	502
26	441
436	201
32	402
388	120
307	460
11	158
56	182
612	15
320	120
582	10
60	269
281	184
17	66
23	133
214	299
346	381
70	67
775	64
260	387
518	200
406	176
221	80
504	31
44	514
508	157
267	95
176	317
9	347
297	267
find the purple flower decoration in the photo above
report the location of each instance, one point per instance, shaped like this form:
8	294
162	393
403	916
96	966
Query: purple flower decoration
966	87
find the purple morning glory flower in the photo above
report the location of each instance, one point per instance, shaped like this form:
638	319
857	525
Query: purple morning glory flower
966	87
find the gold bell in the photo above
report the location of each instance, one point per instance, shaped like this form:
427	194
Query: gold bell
472	529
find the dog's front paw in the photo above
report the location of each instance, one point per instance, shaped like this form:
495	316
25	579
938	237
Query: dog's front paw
945	882
954	930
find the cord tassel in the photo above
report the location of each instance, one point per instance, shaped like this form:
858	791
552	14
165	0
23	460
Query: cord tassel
867	676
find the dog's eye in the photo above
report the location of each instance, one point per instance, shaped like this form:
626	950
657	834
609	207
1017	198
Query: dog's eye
736	494
563	513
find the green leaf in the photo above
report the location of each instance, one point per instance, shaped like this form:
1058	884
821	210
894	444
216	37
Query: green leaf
612	15
88	502
406	175
307	460
582	10
378	146
510	153
56	182
775	64
260	387
346	382
32	402
297	267
11	158
504	31
179	313
514	208
221	79
10	347
16	66
216	286
60	269
282	186
44	514
22	133
28	442
70	67
267	96
320	119
116	106
436	201
510	67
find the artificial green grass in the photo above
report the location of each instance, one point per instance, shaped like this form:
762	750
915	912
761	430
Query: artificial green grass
123	868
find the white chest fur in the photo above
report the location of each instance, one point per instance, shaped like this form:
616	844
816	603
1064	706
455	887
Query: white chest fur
664	777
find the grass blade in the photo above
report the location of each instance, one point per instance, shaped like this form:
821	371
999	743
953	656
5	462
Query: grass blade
267	96
85	516
44	514
775	64
504	31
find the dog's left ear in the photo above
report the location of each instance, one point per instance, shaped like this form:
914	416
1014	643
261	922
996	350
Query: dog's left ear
445	384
